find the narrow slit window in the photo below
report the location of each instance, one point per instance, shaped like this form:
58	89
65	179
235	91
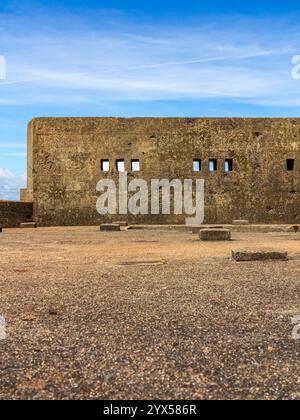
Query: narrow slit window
290	164
105	165
228	165
213	165
120	165
197	165
135	165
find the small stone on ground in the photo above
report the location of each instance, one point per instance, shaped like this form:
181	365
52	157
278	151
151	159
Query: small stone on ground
110	228
246	255
215	235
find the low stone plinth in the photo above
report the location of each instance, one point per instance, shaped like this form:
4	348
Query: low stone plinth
240	222
215	235
28	225
246	255
122	224
110	227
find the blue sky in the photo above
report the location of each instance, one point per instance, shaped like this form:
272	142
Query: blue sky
141	58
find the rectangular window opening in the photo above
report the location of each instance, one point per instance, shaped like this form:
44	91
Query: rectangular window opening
197	165
290	164
228	165
213	165
120	165
135	165
105	165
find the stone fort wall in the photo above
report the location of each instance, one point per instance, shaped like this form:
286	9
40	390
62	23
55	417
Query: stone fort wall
12	213
65	155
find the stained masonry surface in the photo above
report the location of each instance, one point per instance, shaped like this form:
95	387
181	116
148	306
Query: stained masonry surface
12	213
65	155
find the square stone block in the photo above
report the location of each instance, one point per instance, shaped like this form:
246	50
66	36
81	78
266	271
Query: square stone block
215	235
110	227
246	255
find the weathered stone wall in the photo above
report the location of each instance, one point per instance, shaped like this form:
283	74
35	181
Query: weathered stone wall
12	213
64	157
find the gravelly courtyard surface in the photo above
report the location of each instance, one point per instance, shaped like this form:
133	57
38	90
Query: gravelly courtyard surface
146	315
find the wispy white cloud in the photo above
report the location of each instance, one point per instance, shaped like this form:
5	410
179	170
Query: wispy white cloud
10	184
82	61
245	60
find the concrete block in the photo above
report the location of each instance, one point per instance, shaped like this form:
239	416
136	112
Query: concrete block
122	224
246	255
110	227
28	225
240	222
215	235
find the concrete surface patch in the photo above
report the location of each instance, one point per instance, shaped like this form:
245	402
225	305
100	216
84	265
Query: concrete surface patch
137	328
141	263
215	235
246	255
28	225
142	241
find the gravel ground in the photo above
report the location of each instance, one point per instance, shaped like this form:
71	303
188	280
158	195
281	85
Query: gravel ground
146	315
